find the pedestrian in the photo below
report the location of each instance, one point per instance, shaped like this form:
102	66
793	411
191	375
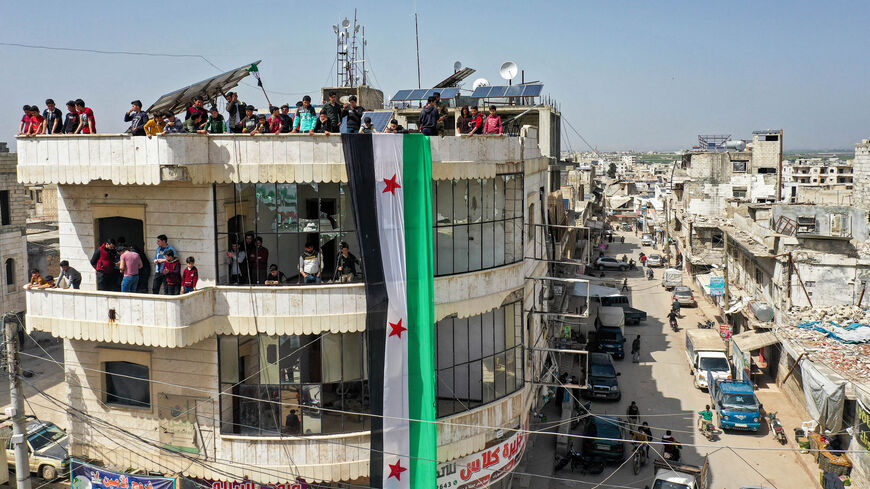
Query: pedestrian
71	120
87	123
163	247
395	128
354	114
173	126
190	276
635	350
24	126
624	285
346	266
642	260
71	276
286	119
130	265
198	107
136	118
215	123
275	276
333	111
305	118
476	121
429	118
103	261
237	264
172	273
310	265
236	111
463	122
291	423
443	112
322	126
368	127
53	118
193	125
260	260
633	414
275	120
155	126
493	122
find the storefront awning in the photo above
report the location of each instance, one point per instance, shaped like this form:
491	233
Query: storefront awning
754	340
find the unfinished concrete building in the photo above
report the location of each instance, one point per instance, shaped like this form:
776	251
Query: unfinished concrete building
13	239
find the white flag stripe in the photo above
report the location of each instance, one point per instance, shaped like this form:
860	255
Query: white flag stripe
388	156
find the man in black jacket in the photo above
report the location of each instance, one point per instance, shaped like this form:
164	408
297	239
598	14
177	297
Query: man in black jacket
429	118
354	114
333	111
346	266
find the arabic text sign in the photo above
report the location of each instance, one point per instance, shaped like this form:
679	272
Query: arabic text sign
863	425
717	286
86	476
482	468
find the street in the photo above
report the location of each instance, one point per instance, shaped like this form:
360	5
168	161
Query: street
663	389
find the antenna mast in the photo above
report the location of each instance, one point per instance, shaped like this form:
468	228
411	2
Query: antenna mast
417	33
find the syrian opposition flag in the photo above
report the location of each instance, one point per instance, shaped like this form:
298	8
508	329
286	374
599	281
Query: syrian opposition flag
390	179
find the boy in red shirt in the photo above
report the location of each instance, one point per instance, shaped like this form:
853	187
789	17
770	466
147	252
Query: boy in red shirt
172	272
190	276
35	122
87	125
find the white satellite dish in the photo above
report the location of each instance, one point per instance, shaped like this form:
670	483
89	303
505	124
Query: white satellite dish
345	23
344	99
508	70
457	66
480	82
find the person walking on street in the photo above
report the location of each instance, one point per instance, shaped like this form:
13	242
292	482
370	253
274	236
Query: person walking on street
624	285
633	413
635	350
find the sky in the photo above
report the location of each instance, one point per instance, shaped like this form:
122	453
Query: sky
642	76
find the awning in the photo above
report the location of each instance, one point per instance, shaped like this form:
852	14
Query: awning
209	89
584	290
754	340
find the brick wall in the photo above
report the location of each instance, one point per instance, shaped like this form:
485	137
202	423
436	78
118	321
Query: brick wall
13	241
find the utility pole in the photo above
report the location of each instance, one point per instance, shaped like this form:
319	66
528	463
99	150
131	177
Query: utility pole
19	431
725	272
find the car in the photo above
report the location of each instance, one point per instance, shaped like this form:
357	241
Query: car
48	446
603	381
654	260
610	450
610	263
646	239
684	296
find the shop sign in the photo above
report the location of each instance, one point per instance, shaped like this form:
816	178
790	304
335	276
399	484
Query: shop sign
483	468
717	286
86	476
863	425
254	485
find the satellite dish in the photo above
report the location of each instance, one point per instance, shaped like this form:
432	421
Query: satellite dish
344	99
345	23
341	34
457	66
356	29
335	28
508	70
480	82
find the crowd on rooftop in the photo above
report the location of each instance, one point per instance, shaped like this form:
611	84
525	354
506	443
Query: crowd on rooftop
244	119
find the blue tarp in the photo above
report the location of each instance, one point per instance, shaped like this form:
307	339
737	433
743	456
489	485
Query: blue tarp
853	333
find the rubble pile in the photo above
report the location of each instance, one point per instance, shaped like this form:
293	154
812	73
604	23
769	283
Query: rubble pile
863	248
850	360
842	315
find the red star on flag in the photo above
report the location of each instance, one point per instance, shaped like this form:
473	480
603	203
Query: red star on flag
398	329
391	185
396	470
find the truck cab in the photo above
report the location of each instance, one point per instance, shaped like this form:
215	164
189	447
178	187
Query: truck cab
602	378
48	447
735	404
632	315
706	354
610	331
678	475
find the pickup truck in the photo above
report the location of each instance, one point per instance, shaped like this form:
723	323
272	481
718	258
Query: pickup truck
735	404
706	353
632	315
678	475
610	331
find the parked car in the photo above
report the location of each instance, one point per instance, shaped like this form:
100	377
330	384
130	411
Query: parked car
603	381
610	263
646	239
685	296
654	260
607	450
48	446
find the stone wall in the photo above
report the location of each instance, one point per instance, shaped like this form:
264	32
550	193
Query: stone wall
13	240
861	179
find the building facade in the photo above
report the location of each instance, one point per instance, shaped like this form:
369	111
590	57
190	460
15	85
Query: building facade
13	237
272	383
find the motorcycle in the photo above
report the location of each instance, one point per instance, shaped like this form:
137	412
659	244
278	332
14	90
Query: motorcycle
632	265
578	462
674	324
708	324
650	275
776	428
639	457
707	429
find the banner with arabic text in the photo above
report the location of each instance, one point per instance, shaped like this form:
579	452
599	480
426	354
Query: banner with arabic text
483	468
86	476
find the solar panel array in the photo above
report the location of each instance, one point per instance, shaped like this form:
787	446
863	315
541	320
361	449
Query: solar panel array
508	91
380	120
424	94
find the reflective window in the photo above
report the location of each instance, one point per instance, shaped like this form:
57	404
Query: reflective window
478	223
478	359
295	385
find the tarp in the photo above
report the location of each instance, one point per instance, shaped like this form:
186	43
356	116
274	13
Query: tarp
583	290
853	333
753	340
824	398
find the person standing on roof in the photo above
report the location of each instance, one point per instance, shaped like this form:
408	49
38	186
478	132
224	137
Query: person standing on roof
87	124
305	118
53	118
333	110
354	114
236	111
215	122
275	120
429	118
71	120
443	112
476	125
493	125
286	119
197	108
136	118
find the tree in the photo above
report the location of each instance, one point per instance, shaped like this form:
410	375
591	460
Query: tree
611	170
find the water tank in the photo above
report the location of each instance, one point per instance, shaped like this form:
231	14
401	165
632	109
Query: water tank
762	311
736	145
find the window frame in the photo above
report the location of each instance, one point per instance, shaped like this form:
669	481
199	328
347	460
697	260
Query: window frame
137	357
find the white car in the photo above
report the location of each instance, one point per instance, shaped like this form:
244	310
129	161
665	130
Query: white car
654	260
610	263
646	240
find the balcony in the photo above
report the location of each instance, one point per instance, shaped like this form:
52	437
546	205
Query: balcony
240	158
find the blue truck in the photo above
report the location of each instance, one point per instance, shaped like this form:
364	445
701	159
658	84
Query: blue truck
734	403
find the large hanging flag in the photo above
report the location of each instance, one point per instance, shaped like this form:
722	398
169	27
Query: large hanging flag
390	179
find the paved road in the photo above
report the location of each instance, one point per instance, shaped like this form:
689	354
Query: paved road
663	388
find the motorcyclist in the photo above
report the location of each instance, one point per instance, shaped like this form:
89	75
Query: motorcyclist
672	317
631	264
676	306
650	274
645	429
672	447
624	257
633	413
705	418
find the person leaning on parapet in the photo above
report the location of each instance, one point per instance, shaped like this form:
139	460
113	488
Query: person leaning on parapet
71	120
476	126
368	127
262	126
395	128
429	118
354	114
25	121
36	279
305	118
249	121
442	113
37	122
172	126
197	108
492	125
215	122
463	122
194	125
136	118
286	119
53	118
322	126
333	110
87	124
236	111
274	120
69	276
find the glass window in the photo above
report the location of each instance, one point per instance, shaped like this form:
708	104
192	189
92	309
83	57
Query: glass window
127	384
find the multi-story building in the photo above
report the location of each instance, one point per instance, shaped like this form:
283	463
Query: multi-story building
817	181
13	238
214	374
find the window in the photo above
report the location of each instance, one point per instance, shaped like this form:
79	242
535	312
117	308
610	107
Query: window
10	275
739	166
739	192
763	171
278	384
478	223
478	359
39	196
4	208
127	384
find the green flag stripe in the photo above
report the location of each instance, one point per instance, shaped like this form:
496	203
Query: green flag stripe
419	262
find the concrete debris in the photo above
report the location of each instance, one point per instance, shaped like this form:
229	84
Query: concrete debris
850	360
863	249
842	315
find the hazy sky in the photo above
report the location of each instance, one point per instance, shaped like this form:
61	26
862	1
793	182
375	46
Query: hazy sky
628	75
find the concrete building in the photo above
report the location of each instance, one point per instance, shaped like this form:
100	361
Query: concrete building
214	373
13	240
817	181
861	171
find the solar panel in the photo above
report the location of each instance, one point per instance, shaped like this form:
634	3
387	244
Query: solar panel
481	92
417	94
401	95
532	90
497	91
449	92
514	91
210	89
